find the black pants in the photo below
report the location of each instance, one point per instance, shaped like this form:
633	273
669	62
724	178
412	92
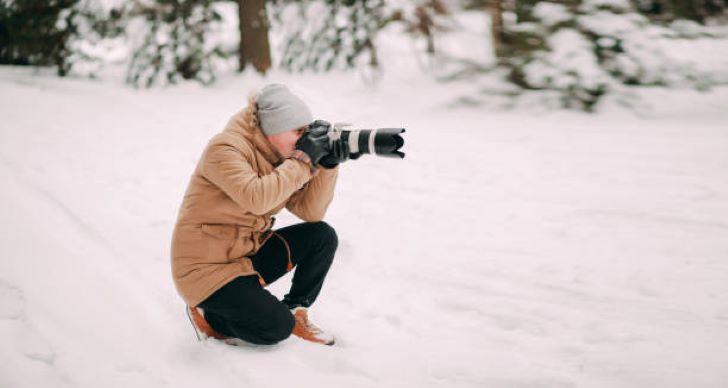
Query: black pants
244	309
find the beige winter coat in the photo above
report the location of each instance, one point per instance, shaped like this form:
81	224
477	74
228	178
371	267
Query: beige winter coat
239	184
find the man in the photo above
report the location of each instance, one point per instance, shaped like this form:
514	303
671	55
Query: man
224	251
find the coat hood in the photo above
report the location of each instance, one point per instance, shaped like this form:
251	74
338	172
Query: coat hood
246	124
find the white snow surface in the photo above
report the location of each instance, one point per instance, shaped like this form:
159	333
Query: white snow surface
509	249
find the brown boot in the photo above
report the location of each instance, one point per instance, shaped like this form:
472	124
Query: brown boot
307	330
205	331
202	328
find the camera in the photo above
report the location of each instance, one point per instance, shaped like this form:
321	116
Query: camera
384	142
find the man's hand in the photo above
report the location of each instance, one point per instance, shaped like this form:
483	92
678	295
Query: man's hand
338	153
314	145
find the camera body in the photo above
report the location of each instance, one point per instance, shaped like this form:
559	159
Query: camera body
384	142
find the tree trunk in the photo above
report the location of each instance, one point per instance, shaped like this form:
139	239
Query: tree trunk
424	25
497	29
254	46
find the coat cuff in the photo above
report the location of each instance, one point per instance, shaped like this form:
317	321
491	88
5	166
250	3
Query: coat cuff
303	157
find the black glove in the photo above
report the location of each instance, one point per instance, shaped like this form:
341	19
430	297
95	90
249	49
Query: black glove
339	152
314	144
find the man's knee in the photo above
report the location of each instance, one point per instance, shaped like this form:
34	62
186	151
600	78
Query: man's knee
326	233
275	328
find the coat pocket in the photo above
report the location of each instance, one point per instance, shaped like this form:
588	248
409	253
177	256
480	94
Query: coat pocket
218	239
226	241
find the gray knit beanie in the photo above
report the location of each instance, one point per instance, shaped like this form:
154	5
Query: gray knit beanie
279	110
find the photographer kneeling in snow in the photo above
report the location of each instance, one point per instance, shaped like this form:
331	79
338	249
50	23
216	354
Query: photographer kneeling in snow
224	251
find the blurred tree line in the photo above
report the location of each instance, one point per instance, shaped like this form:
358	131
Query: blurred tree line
582	48
534	42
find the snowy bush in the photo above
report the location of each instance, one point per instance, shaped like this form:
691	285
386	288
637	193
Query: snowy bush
636	51
171	42
98	37
551	14
66	34
326	35
570	67
337	34
586	49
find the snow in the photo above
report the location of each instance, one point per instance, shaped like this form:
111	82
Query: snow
551	14
511	248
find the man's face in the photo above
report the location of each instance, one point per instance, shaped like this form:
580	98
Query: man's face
285	142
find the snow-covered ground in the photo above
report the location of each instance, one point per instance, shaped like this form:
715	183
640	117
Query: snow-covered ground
509	249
